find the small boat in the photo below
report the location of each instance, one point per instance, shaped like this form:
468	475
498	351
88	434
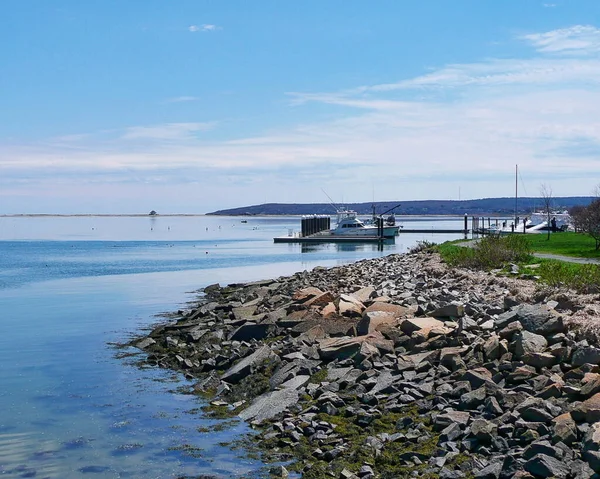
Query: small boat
348	224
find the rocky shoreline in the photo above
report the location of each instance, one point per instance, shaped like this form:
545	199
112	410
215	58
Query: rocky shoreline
398	367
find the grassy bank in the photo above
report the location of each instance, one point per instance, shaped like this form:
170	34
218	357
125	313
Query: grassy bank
502	253
567	244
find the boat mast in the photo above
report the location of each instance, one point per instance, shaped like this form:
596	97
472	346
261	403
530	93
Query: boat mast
516	192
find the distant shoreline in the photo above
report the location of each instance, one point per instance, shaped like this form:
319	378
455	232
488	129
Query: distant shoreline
92	215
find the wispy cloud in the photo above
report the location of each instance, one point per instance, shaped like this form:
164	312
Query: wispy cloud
205	27
168	131
462	124
181	99
549	5
578	39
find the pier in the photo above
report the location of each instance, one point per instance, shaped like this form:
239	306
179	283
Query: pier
316	229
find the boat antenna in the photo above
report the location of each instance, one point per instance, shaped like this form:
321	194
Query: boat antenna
331	202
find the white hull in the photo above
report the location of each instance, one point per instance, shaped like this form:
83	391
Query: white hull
388	231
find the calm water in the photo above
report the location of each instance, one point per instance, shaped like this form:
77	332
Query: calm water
69	287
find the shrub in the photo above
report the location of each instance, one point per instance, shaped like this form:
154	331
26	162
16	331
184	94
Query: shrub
422	246
490	252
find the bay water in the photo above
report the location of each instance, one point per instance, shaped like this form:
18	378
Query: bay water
71	404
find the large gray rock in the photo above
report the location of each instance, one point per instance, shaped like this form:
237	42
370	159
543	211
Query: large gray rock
539	319
585	354
269	405
527	342
542	465
246	365
249	331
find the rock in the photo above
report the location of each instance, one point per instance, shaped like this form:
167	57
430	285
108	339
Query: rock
323	299
588	410
489	472
145	343
451	310
374	321
423	325
593	459
585	354
539	360
346	474
527	342
249	331
395	309
364	294
491	348
539	319
483	430
441	421
341	348
591	441
279	472
349	306
305	294
478	377
564	429
542	465
246	365
244	313
270	405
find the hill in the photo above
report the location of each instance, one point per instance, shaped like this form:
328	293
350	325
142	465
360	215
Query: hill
479	207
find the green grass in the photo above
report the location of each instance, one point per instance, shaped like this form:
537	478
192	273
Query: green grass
497	252
567	244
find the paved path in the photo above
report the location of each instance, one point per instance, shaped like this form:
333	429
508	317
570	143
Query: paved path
568	259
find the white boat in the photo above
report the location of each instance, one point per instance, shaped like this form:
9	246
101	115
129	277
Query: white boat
348	224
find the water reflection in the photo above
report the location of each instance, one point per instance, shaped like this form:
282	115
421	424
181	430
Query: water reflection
357	247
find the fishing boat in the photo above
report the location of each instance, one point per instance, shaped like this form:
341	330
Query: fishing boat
348	224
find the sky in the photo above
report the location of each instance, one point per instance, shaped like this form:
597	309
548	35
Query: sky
189	106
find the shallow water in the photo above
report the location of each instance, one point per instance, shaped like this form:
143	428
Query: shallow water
69	287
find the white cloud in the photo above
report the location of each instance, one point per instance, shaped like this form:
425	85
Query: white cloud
406	137
578	39
549	5
168	131
205	27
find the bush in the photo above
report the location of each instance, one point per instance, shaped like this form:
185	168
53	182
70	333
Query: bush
490	252
422	246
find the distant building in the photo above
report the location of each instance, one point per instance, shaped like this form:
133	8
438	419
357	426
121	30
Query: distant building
153	213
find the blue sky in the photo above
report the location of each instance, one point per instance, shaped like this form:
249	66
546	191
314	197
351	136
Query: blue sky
191	106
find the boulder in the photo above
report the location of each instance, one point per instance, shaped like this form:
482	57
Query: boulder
270	405
375	320
247	364
397	310
249	331
349	306
585	354
588	410
542	465
305	294
539	319
364	294
424	326
451	310
526	342
340	348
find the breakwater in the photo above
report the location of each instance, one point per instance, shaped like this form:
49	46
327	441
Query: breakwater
398	367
